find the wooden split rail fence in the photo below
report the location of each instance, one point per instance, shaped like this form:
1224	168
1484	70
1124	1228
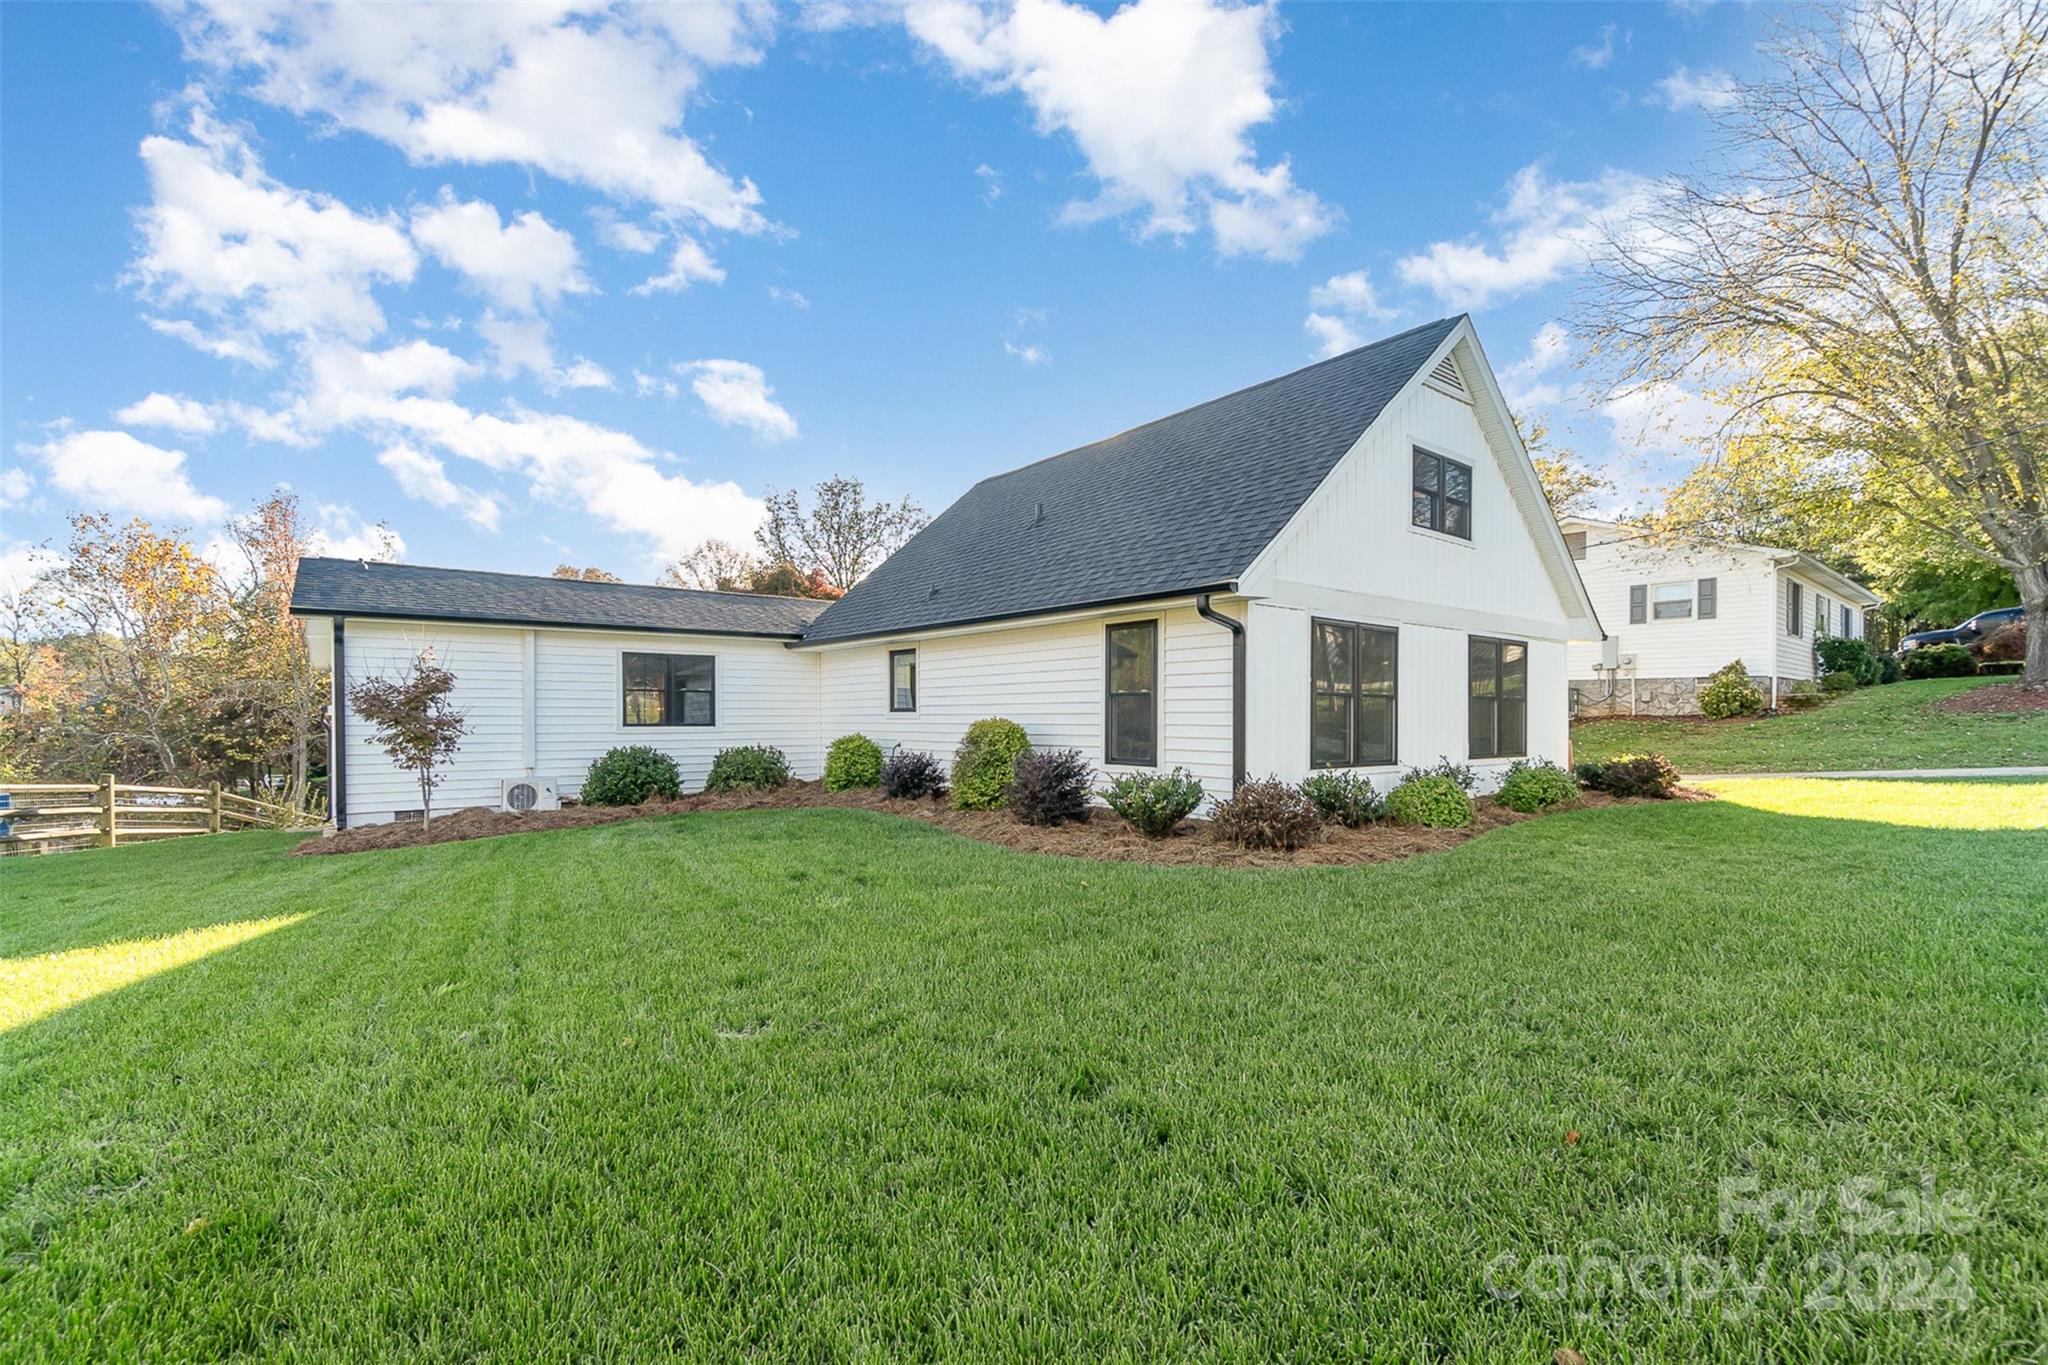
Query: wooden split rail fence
47	816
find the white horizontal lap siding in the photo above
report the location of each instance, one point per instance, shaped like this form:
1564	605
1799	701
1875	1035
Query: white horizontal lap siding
487	666
1049	679
1677	647
765	693
1795	653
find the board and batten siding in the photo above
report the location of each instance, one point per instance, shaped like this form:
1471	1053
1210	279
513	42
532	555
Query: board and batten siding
766	694
1048	678
1351	554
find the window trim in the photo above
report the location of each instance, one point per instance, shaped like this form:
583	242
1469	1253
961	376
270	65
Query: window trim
1496	641
1439	499
1109	629
1392	632
889	679
668	691
1691	587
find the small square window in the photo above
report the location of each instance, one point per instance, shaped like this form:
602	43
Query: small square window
1441	499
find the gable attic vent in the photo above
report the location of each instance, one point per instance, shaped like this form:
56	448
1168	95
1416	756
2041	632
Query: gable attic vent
1446	377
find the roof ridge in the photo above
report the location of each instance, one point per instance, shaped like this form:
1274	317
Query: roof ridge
1225	397
552	579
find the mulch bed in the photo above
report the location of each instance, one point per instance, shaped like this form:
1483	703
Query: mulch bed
1104	837
2006	699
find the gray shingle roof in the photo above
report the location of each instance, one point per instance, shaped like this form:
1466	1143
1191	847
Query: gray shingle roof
349	587
1178	504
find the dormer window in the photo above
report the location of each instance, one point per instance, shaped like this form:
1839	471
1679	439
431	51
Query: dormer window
1442	495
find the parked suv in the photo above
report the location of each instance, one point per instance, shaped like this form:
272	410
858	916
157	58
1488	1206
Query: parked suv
1969	632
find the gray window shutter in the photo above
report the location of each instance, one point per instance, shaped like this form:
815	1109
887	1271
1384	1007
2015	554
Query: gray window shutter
1793	616
1638	603
1709	598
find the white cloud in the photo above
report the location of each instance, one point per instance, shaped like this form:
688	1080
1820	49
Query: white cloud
527	345
1352	293
690	263
991	182
790	297
15	486
1524	383
654	385
220	234
112	471
520	265
1160	97
1030	355
584	93
1333	335
1597	57
1712	90
622	235
22	563
1546	228
172	412
340	533
422	476
1664	418
225	345
737	394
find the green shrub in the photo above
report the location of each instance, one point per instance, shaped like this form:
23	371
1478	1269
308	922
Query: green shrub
1635	775
630	774
1346	798
750	767
986	762
1845	654
1050	788
1154	803
1730	693
1460	773
1534	784
852	761
1887	668
1433	799
1591	773
1938	661
1835	684
1267	814
911	775
1801	695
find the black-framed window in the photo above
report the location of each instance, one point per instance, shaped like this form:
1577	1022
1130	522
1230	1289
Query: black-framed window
903	680
1131	694
1499	697
669	689
1352	694
1443	494
1795	612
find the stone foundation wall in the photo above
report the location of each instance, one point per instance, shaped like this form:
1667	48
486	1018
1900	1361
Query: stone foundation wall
1651	696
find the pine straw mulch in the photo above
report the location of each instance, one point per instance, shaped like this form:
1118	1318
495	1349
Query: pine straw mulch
1103	837
1996	699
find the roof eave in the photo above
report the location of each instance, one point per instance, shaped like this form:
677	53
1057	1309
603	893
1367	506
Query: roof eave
1010	617
538	623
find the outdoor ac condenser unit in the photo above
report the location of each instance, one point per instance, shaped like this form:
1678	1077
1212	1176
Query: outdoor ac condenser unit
522	794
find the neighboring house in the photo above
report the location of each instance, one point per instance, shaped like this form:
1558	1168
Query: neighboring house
1351	566
11	701
1676	614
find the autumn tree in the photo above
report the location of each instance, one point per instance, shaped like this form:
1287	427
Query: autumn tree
840	536
1863	282
273	681
585	575
714	566
1573	489
418	726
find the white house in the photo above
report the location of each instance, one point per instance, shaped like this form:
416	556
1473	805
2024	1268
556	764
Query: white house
1351	566
1678	613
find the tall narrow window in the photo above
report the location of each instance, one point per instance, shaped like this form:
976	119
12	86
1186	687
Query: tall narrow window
1352	694
1794	610
1131	707
669	689
1442	494
903	680
1848	622
1499	697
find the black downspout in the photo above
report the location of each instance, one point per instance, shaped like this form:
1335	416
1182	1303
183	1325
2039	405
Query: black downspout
337	739
1236	629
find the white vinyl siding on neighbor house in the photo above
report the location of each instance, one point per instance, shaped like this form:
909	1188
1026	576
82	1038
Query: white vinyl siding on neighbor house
1746	623
1051	679
1795	653
767	694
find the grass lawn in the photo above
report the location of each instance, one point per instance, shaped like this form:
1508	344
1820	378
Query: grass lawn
1875	727
829	1085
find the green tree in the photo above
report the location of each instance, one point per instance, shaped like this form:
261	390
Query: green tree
1862	280
840	536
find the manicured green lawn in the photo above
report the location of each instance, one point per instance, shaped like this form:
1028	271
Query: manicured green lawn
828	1085
1876	727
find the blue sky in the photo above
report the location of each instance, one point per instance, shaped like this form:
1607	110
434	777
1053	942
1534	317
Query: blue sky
578	283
